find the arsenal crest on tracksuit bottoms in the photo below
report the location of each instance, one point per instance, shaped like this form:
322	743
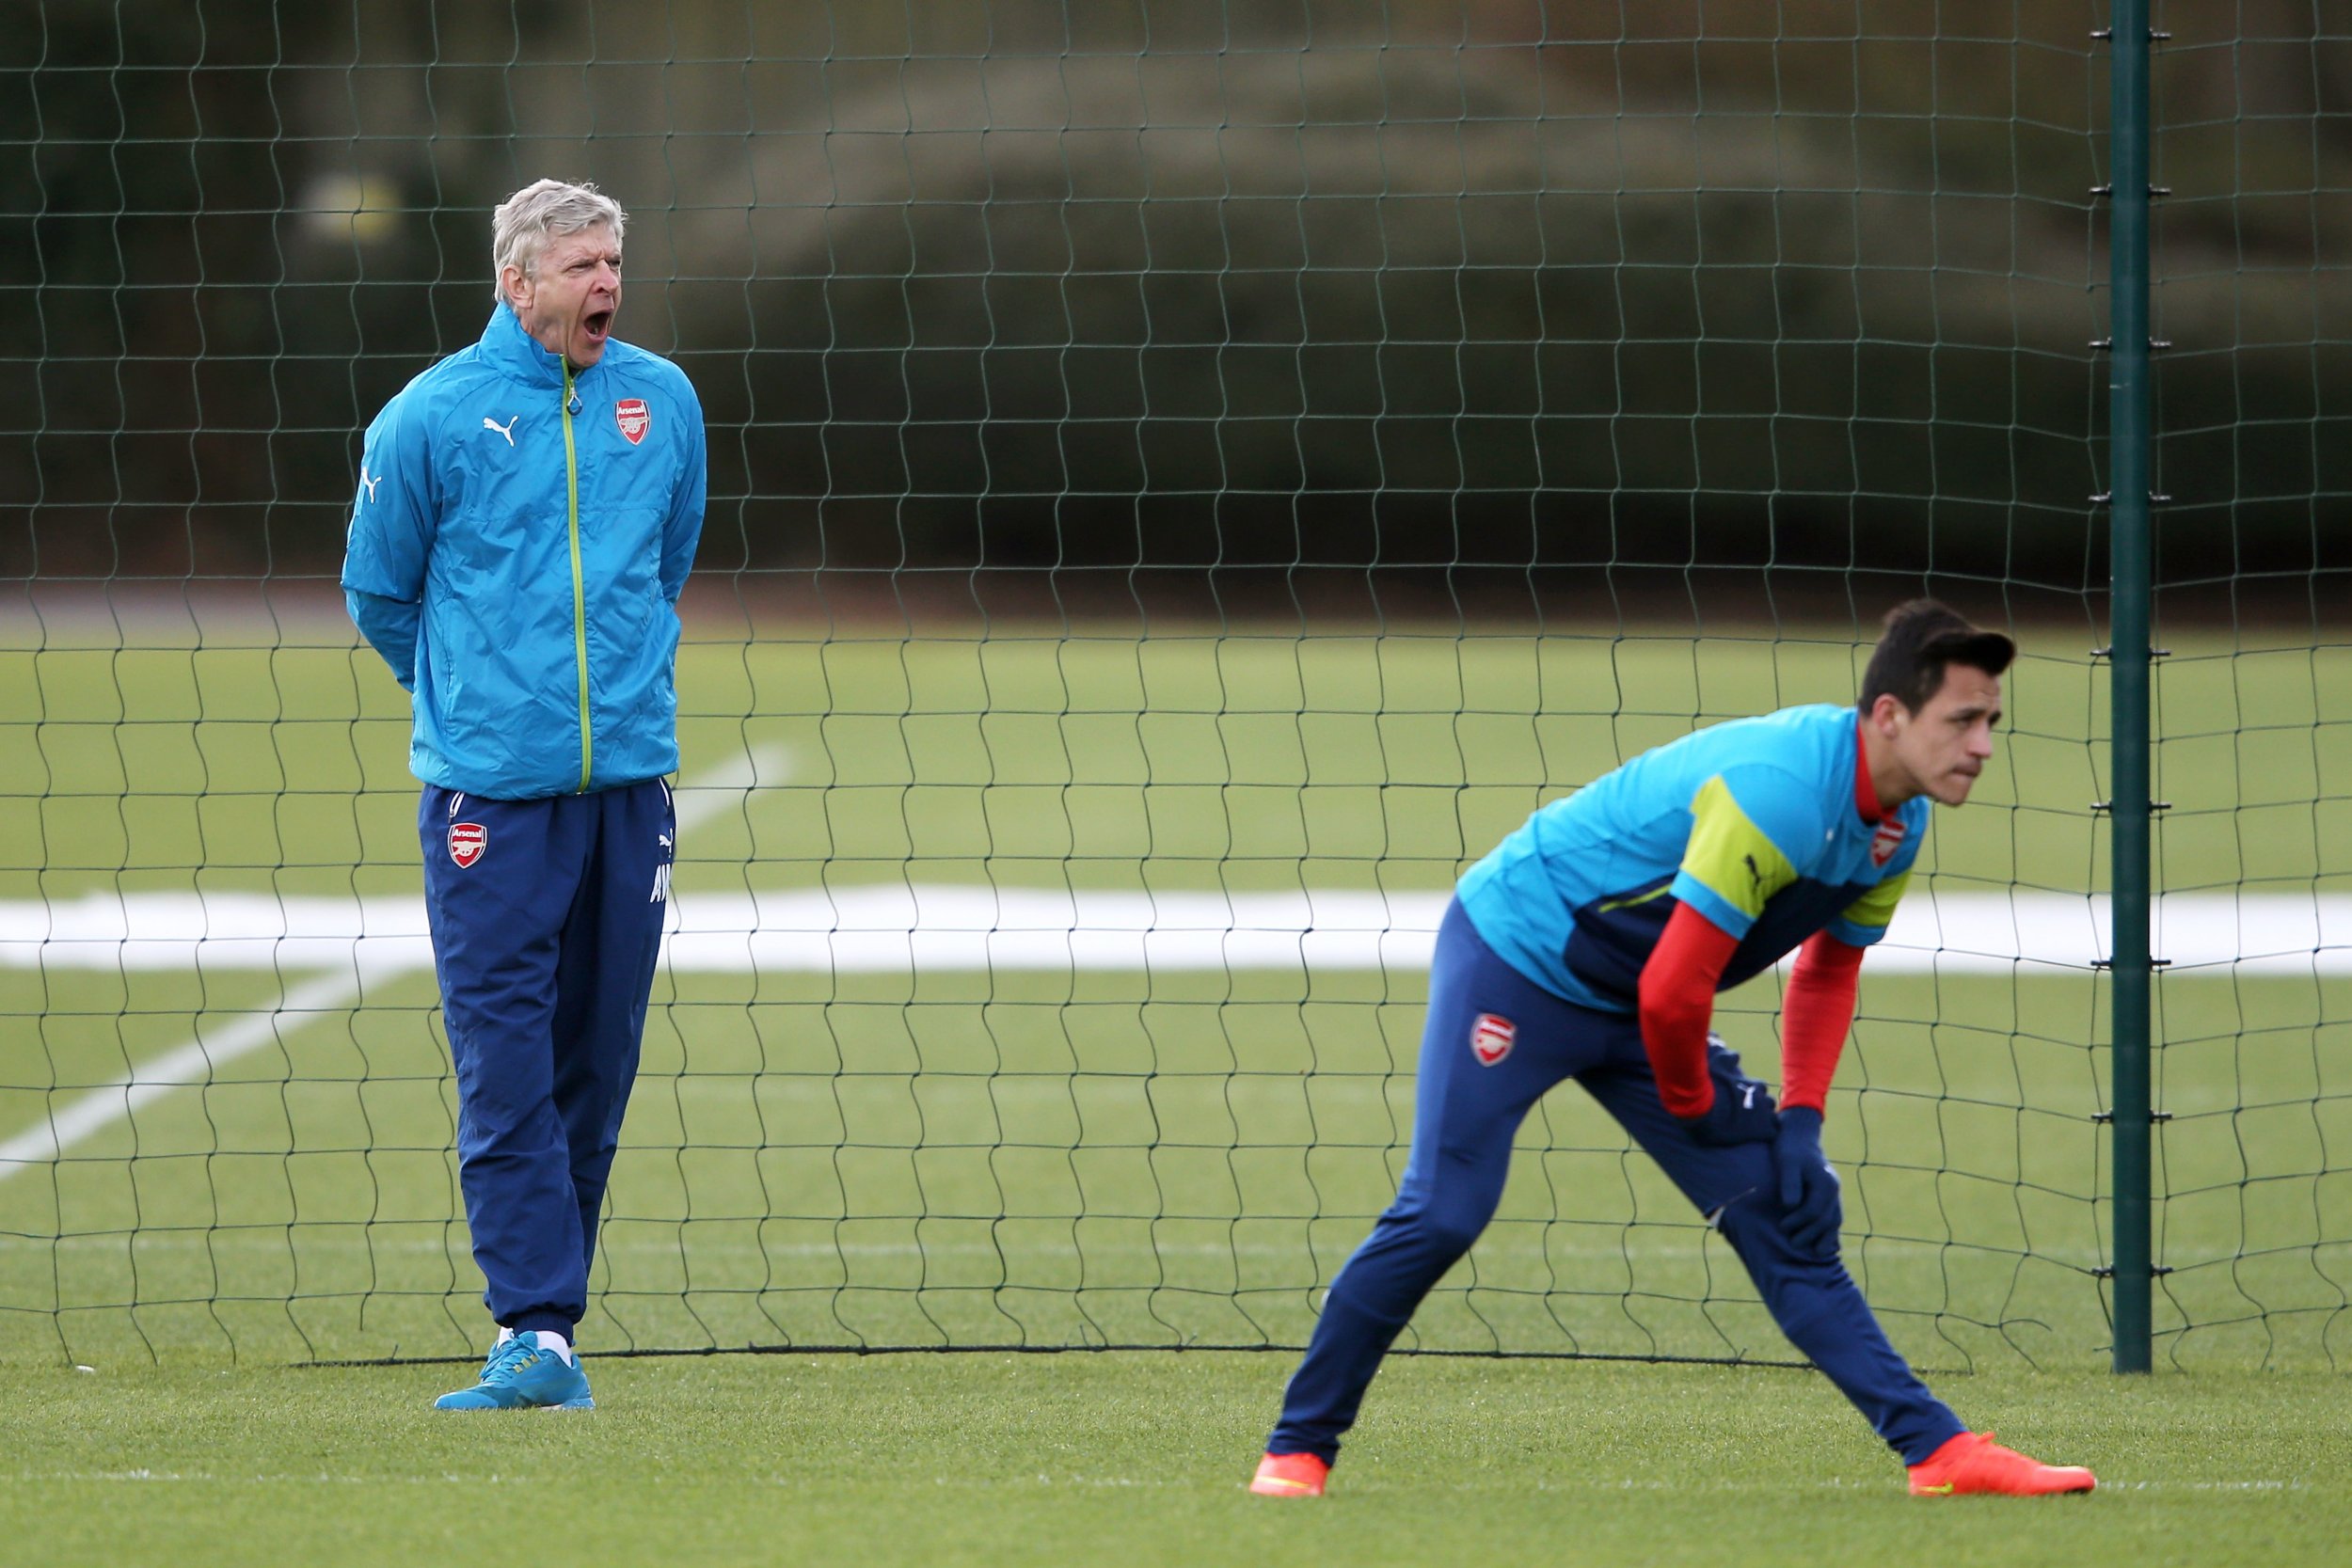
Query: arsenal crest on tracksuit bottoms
1490	1038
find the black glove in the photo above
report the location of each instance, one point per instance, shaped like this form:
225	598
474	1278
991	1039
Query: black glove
1810	1209
1744	1112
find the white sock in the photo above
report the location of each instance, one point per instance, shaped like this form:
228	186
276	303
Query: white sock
549	1340
505	1334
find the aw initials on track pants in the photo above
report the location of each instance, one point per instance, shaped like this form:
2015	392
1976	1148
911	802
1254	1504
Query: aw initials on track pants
547	921
1467	1107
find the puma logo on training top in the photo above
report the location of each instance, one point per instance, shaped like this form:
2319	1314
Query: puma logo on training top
368	481
506	430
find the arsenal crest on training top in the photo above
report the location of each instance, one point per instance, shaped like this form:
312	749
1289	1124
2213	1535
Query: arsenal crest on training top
634	418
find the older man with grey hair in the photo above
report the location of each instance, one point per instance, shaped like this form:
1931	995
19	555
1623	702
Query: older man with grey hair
527	512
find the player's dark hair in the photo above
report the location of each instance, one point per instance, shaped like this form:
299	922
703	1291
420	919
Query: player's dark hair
1921	639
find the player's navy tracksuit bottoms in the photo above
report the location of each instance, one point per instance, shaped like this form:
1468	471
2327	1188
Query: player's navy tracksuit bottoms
546	920
1469	1103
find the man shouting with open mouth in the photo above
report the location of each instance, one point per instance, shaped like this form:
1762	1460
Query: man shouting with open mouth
526	514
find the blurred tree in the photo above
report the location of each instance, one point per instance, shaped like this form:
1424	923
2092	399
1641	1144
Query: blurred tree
1807	284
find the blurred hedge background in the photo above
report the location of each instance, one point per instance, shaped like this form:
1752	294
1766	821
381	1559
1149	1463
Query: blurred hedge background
1548	297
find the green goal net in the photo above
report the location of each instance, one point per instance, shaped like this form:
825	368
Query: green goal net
1186	479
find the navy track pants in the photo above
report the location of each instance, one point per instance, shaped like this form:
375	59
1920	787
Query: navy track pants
1468	1103
547	921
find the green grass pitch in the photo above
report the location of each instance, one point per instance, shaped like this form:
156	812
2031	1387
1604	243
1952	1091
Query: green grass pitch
1140	1458
870	1156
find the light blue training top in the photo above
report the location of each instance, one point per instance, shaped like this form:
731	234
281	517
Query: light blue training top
517	546
1753	823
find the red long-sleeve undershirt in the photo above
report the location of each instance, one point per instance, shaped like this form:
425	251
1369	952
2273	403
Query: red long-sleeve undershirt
1815	1013
1677	1000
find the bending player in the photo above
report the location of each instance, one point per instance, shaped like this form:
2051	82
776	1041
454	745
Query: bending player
1590	944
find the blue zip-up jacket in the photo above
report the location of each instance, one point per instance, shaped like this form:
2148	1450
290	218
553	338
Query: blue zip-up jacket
517	546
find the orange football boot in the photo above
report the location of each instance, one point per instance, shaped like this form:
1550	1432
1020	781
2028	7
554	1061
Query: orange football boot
1290	1475
1972	1463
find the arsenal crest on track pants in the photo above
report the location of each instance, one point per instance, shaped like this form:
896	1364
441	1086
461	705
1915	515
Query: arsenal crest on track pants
546	920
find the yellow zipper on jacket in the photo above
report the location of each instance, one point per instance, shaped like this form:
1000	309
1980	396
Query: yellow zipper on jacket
579	596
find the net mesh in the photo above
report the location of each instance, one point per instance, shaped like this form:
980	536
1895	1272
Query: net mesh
1186	480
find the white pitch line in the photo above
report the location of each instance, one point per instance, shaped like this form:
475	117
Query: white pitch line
917	927
184	1067
905	927
193	1064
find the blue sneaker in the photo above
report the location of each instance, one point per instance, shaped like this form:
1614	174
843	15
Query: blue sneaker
520	1375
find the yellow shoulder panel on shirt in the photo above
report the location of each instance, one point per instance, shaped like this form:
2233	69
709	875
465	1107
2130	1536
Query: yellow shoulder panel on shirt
1876	908
1730	854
